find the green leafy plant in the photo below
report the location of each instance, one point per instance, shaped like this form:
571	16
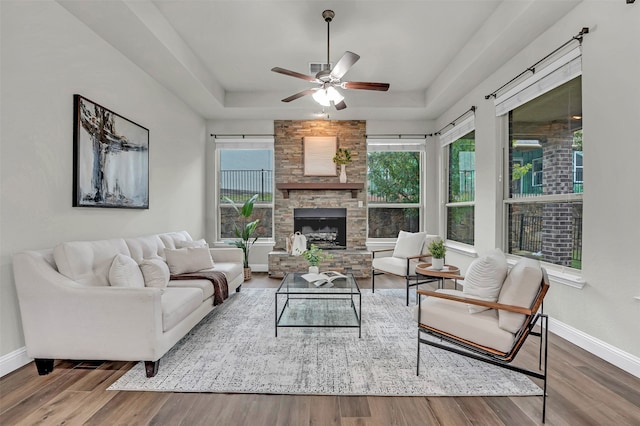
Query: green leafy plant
343	156
437	249
314	255
519	171
245	231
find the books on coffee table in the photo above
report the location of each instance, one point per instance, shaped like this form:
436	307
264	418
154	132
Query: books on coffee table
323	278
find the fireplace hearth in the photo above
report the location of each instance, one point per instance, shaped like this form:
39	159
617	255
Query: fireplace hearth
324	227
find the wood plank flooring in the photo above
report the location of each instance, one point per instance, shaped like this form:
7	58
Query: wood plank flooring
583	390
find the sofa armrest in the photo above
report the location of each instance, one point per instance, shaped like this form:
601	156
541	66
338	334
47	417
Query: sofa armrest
471	301
63	319
231	254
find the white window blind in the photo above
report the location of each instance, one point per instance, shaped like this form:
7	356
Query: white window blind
545	79
459	130
404	144
243	143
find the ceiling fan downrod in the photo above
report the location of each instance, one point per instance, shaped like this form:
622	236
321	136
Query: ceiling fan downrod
328	16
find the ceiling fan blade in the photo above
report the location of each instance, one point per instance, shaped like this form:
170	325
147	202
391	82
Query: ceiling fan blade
299	95
340	105
295	74
363	85
343	65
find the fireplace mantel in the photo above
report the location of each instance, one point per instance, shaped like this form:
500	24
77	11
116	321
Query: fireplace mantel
319	186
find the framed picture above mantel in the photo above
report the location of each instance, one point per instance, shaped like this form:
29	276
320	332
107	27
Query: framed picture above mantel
110	158
318	155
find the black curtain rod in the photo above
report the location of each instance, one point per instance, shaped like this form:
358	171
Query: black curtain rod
532	68
453	123
399	136
242	136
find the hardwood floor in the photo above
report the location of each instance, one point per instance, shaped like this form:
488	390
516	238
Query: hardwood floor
583	390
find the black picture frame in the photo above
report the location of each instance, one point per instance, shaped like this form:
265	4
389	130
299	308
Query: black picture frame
110	158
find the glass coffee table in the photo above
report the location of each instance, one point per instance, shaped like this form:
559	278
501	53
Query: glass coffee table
300	303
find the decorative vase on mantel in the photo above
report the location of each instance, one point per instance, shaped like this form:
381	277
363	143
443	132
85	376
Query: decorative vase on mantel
343	173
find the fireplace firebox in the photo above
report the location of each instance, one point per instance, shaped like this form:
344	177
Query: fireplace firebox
324	227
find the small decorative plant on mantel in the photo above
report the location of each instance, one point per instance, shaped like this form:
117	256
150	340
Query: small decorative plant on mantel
245	231
437	250
342	158
314	255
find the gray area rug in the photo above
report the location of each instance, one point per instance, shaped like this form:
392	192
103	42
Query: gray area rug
234	350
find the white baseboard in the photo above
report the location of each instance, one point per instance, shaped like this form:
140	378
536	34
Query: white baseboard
259	267
13	360
621	359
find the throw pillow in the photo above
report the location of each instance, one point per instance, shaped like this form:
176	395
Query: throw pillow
155	272
484	279
519	289
409	244
124	272
190	244
189	259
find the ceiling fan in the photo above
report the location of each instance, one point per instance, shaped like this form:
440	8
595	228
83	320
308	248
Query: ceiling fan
328	81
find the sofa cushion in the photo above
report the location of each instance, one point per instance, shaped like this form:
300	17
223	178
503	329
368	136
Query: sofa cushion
394	265
88	262
169	238
148	247
205	285
519	289
124	272
185	260
484	278
189	244
409	244
454	318
155	272
230	269
177	304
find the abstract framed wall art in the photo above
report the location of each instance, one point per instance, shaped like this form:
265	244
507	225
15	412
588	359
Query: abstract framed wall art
110	157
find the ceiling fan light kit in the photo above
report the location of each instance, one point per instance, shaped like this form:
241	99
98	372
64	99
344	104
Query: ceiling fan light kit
329	79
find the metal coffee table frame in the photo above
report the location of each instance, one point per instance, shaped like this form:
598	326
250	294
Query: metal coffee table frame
294	287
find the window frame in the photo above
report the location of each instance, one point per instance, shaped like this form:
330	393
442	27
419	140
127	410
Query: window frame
244	144
459	131
398	145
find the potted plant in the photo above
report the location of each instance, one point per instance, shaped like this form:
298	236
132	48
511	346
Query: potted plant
342	158
245	232
314	255
437	249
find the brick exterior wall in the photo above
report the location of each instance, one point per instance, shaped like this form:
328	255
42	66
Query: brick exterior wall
557	218
289	167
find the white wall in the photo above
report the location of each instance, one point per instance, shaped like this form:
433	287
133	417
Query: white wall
605	309
47	56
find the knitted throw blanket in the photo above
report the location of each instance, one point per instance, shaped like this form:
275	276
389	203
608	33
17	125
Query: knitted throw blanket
219	281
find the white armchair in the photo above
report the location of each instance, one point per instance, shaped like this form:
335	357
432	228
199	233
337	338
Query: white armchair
410	249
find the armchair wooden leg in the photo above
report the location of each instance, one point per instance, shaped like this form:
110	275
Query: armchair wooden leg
373	281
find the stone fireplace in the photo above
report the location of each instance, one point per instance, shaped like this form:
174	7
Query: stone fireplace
314	193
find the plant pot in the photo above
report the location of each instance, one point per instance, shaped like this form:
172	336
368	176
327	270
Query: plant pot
247	274
437	264
343	173
314	269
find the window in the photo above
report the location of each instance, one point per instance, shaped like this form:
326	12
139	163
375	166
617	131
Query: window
461	189
245	169
545	216
394	173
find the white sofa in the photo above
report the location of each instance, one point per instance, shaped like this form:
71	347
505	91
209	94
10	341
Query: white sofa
70	311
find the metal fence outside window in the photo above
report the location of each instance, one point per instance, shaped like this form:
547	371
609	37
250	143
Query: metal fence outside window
242	184
528	235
